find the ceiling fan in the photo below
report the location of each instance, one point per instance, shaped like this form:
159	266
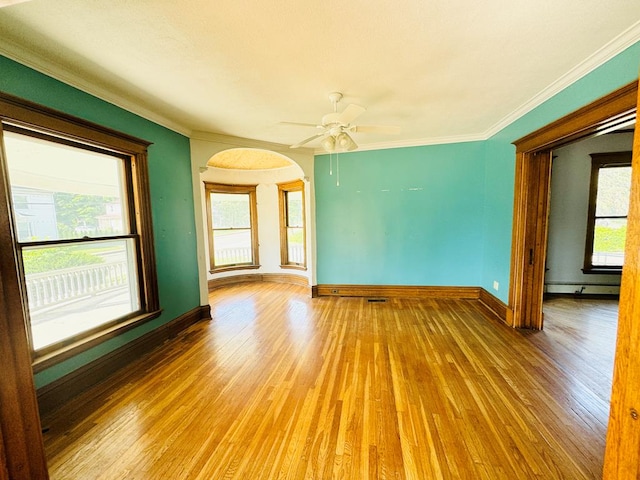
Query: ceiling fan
336	127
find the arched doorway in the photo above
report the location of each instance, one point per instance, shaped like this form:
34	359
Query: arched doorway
227	160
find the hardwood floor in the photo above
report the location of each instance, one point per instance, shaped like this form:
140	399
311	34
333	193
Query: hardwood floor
280	385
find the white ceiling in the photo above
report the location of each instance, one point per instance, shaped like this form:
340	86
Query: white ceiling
443	70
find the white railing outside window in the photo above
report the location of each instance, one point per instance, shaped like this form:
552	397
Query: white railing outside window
53	288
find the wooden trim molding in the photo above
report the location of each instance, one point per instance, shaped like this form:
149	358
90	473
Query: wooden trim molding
622	454
22	452
529	237
31	119
283	191
531	193
73	348
259	277
607	113
496	306
600	161
25	113
499	308
59	391
249	190
398	291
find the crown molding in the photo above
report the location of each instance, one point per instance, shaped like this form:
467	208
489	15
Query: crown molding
597	59
26	57
623	41
31	59
241	142
420	142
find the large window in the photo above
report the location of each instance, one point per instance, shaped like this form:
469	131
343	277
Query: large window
232	226
292	228
608	208
78	198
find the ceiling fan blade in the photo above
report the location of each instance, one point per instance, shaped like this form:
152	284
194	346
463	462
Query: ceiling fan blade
350	114
384	129
307	140
352	146
299	124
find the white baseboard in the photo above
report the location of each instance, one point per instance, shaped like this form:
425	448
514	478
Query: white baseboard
583	289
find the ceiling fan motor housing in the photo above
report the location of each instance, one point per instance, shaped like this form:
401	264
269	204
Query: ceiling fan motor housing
331	119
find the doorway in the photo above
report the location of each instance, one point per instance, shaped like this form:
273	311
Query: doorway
531	202
574	201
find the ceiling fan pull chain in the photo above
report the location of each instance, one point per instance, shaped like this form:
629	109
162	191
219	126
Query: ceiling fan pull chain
337	169
330	163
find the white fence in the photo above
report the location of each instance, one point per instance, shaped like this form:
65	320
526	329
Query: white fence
234	255
296	253
607	258
59	286
52	288
230	256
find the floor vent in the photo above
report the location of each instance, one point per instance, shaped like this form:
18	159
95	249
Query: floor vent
376	300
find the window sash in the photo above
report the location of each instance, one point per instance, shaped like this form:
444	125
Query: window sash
60	297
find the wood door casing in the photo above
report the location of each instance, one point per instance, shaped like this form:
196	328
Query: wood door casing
530	213
530	240
622	456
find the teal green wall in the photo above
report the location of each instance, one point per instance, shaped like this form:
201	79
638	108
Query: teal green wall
171	198
457	229
408	216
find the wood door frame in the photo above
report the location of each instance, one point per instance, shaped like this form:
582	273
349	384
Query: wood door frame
622	455
531	197
22	454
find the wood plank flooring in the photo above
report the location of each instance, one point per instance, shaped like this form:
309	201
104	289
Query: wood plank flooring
280	385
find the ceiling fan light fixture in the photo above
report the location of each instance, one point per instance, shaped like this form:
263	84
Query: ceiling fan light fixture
335	127
344	143
329	143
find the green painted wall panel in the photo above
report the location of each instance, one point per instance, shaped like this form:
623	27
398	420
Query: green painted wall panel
410	216
171	197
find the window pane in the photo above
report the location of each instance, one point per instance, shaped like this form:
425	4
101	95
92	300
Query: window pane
296	245
232	247
608	242
73	288
294	209
63	192
614	185
230	210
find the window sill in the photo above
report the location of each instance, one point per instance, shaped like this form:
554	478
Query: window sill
602	271
234	267
75	346
294	267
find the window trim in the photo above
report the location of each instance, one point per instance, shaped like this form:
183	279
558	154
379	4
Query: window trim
40	120
283	190
210	188
598	161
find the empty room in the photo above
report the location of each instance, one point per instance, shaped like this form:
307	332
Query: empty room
317	240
